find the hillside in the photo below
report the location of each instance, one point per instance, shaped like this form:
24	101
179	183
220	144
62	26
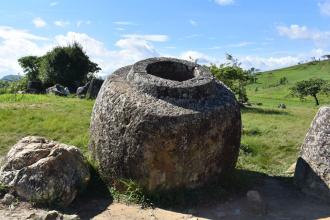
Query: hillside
268	91
11	78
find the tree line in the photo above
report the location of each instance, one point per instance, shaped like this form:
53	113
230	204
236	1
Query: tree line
66	65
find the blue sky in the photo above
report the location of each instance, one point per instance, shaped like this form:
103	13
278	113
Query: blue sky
262	34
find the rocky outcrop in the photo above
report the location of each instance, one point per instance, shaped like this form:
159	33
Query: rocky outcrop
312	172
165	123
58	90
45	172
94	88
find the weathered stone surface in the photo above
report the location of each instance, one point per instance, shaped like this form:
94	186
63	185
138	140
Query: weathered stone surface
82	90
165	123
312	172
45	172
94	88
58	90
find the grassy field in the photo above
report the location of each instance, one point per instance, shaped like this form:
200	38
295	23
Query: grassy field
62	119
271	136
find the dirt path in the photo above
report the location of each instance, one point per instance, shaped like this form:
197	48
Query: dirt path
282	201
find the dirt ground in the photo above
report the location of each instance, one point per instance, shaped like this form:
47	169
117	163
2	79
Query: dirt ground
282	201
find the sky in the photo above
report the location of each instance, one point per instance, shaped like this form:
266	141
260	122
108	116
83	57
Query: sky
262	34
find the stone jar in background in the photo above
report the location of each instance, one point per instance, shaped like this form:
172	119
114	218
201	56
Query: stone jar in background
165	123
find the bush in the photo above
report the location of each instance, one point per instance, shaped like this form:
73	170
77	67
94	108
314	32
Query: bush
68	66
283	81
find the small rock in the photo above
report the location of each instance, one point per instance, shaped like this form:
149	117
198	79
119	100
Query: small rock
53	215
58	90
255	202
8	199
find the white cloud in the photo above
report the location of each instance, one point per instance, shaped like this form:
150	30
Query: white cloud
259	62
268	63
324	7
120	29
39	22
151	37
320	38
52	4
193	23
130	48
236	45
192	36
200	57
15	43
61	23
224	2
125	23
8	33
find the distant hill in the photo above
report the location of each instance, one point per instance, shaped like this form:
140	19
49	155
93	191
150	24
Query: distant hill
268	84
11	78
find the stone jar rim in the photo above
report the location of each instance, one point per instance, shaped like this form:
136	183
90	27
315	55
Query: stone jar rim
151	76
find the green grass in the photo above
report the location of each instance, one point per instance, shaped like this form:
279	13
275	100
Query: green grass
62	119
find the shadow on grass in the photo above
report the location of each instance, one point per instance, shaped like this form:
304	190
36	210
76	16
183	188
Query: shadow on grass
264	111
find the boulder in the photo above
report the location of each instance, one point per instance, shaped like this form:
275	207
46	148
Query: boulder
34	87
58	90
82	90
45	172
312	172
165	123
94	88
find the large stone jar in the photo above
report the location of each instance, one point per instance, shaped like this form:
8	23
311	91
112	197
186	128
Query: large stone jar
165	123
312	172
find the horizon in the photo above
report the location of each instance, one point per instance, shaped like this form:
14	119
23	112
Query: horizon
265	35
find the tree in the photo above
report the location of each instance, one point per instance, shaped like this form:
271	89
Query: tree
311	87
68	66
30	66
233	76
283	81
